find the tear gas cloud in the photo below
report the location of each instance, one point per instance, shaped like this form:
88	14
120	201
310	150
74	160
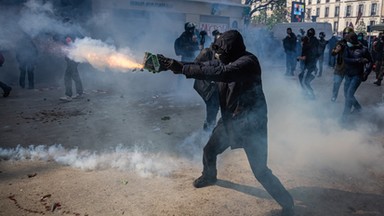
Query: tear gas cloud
304	134
135	159
101	55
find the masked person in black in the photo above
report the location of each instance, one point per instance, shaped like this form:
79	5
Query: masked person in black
186	45
322	45
289	44
243	122
309	55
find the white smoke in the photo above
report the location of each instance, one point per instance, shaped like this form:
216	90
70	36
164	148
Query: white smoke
102	55
308	134
143	163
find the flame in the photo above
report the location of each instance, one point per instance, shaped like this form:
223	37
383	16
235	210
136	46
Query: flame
123	62
114	61
101	55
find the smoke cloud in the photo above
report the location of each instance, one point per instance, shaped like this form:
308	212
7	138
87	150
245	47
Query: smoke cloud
302	134
136	160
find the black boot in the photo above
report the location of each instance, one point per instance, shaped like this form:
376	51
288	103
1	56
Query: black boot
204	180
207	178
378	82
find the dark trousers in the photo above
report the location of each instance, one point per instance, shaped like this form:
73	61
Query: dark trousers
305	78
212	108
71	73
256	149
24	70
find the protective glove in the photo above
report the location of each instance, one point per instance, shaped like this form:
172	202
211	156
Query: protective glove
171	64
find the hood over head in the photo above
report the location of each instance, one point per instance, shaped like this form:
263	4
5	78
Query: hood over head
230	45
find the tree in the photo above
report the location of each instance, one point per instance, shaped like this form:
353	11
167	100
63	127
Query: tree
279	15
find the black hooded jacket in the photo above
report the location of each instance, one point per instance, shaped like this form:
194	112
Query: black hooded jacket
242	100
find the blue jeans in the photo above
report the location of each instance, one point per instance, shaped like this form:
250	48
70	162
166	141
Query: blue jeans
351	84
337	79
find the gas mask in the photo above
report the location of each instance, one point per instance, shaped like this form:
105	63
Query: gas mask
221	55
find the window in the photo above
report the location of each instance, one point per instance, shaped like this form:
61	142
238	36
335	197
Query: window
308	13
326	1
326	12
348	12
373	9
317	12
337	11
318	1
361	10
372	22
335	26
337	0
309	2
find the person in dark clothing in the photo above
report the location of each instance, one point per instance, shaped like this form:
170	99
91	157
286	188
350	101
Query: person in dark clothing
331	44
26	56
339	71
378	50
309	56
208	90
186	45
322	45
356	58
6	89
243	122
361	39
71	73
289	44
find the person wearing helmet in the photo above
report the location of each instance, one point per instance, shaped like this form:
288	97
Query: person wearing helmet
358	65
186	45
338	74
243	106
322	45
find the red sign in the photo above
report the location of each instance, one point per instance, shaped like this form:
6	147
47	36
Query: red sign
210	27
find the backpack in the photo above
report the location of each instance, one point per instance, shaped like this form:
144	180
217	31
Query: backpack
178	46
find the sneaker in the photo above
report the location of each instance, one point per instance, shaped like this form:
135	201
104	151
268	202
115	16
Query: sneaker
77	96
204	181
7	91
66	98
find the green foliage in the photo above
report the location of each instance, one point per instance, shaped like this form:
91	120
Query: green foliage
279	15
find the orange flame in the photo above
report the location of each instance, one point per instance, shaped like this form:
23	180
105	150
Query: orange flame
114	61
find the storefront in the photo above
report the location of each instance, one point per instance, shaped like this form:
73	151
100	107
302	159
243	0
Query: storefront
140	14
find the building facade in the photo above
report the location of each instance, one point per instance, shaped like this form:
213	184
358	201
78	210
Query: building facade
207	14
358	14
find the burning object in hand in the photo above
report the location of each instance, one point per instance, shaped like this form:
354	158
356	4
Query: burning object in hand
151	62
